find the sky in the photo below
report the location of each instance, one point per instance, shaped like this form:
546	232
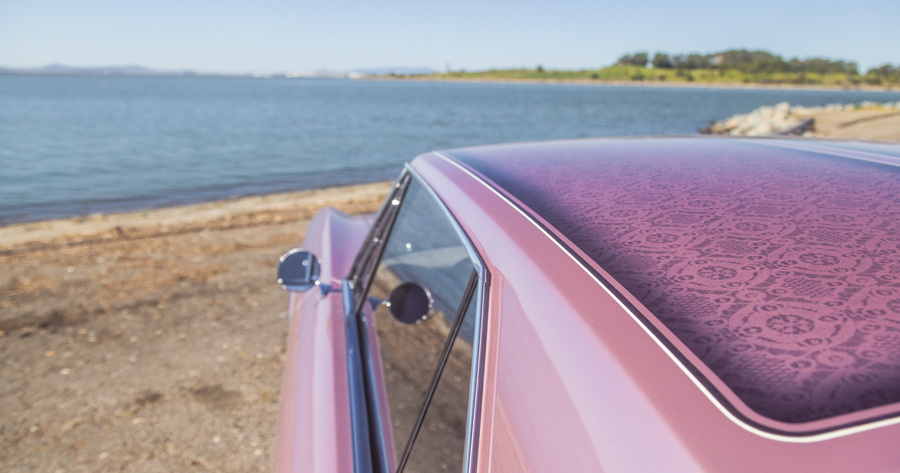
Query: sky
231	36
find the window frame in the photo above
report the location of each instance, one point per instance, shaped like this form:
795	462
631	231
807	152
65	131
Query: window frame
370	431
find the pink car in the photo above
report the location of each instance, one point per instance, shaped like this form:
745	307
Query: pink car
615	305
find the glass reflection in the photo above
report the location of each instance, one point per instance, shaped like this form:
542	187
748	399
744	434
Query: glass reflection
424	247
441	441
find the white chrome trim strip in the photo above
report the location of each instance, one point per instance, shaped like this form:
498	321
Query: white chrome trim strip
820	148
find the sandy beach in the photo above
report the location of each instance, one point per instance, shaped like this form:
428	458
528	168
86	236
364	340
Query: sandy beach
154	340
150	341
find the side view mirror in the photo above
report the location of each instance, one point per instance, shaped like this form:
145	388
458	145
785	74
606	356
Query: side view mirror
298	270
410	302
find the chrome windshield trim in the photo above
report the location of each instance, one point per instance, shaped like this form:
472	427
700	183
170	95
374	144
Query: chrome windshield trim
359	419
476	380
381	230
379	447
360	258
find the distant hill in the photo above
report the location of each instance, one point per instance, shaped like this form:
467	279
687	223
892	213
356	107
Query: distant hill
395	71
62	70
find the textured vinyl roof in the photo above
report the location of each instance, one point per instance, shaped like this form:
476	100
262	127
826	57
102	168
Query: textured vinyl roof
777	267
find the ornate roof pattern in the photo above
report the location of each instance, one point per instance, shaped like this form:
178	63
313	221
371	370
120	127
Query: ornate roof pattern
778	268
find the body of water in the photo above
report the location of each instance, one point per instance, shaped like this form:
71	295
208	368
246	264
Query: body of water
80	145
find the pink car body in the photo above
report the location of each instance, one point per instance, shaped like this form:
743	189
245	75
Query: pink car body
677	305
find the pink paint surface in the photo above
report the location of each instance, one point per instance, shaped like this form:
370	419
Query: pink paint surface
572	382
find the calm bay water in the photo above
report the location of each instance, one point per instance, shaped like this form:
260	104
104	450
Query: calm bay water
79	145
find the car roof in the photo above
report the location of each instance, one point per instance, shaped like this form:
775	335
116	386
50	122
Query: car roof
774	262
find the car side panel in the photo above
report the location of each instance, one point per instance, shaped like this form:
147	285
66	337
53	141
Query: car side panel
573	383
314	425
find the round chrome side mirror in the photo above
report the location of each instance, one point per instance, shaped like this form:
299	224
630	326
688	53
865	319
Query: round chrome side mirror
410	302
298	270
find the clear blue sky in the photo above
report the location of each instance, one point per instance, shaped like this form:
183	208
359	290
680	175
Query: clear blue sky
287	35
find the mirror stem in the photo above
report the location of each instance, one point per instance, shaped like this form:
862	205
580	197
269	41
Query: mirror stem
325	289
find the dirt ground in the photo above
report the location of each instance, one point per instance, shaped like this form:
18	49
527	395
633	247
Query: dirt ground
150	341
880	125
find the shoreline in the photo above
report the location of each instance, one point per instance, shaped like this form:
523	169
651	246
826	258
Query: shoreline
652	84
862	124
38	212
215	214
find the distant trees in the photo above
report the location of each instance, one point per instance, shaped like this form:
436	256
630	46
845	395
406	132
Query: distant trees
880	75
823	66
692	61
638	59
750	66
662	61
751	62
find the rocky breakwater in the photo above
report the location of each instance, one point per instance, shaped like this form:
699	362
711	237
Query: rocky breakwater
784	119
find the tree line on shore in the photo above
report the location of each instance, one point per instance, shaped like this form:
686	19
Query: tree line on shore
725	68
760	63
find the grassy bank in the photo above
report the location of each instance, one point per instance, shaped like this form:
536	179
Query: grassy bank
628	73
